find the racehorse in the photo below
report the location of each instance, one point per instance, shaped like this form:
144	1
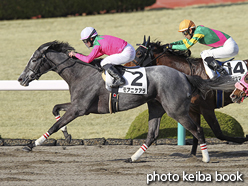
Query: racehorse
153	53
89	95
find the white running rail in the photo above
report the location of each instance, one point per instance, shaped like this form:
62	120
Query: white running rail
14	85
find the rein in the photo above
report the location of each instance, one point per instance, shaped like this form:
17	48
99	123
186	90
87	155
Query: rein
92	66
147	54
161	54
56	65
83	63
35	70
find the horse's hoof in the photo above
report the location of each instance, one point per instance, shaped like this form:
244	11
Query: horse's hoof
206	160
27	149
192	154
129	160
68	138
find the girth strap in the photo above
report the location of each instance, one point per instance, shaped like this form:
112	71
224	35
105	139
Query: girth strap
219	98
114	100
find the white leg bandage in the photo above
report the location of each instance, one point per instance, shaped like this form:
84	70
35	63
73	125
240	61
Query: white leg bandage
42	139
205	155
139	152
64	128
57	118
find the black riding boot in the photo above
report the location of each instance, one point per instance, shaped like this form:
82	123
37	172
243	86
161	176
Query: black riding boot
214	65
118	79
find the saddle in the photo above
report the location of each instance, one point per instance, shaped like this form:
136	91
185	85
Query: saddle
136	83
113	96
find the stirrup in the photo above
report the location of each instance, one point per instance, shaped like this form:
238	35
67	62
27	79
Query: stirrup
222	71
118	83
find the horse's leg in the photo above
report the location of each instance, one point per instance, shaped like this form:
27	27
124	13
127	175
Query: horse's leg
212	121
194	146
156	111
56	110
197	118
181	113
197	131
70	115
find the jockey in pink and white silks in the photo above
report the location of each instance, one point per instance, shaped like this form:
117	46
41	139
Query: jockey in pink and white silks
223	45
118	51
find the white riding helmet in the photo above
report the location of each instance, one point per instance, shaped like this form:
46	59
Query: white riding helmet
87	33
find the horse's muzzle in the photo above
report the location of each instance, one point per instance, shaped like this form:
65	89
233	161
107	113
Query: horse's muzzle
25	79
236	98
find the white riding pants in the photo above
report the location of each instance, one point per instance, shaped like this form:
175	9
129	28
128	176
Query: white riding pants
229	49
127	55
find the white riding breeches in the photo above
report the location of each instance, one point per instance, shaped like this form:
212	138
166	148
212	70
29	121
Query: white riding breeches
127	55
229	49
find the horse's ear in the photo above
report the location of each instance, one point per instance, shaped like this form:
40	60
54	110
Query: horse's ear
148	42
44	49
144	42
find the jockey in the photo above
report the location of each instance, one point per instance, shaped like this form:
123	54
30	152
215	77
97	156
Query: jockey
223	45
118	51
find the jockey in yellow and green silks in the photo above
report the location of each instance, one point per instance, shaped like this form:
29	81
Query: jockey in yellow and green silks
222	44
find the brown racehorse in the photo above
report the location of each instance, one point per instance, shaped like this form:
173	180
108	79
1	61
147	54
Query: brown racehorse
149	54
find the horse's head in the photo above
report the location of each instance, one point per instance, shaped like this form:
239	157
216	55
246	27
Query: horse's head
238	96
143	53
148	54
241	90
39	63
35	67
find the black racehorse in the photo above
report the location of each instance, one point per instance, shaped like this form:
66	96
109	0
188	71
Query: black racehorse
89	95
153	53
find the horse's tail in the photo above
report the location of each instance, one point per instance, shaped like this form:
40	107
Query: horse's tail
217	83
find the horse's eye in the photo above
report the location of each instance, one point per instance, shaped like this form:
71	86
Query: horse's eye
246	79
139	54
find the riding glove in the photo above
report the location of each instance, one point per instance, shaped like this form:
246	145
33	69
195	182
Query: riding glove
168	46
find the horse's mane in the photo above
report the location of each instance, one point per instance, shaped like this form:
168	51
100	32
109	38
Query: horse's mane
65	48
58	46
158	48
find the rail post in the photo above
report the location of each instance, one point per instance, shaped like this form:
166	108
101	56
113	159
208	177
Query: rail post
180	134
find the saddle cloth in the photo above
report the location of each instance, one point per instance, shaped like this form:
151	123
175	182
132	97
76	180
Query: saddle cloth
136	81
236	69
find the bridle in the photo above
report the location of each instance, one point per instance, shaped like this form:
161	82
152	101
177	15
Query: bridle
147	54
150	54
242	86
243	90
36	68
